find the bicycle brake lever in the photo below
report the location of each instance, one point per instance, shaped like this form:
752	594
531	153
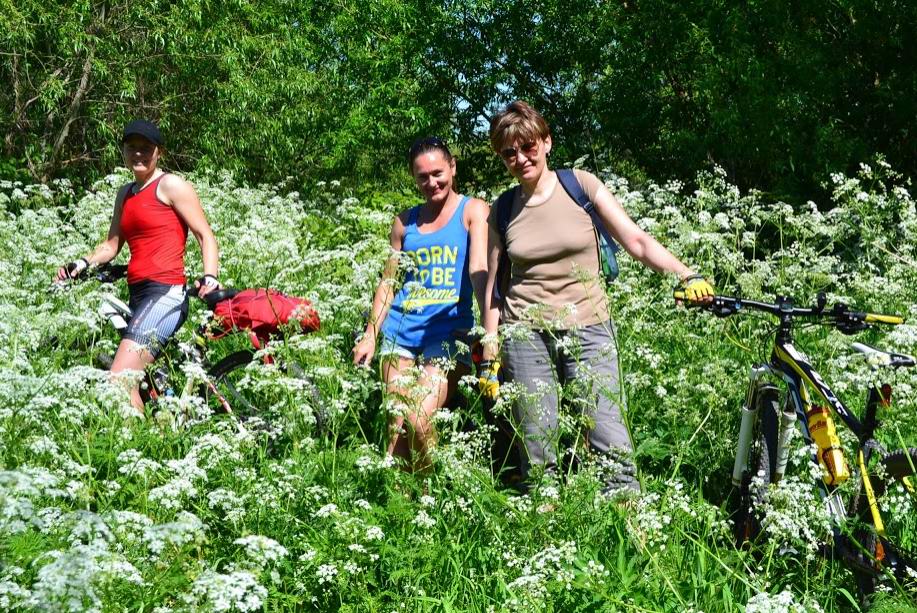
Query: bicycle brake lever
721	308
821	300
852	327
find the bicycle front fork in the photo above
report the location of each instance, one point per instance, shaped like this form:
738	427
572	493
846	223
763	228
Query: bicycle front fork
747	430
747	425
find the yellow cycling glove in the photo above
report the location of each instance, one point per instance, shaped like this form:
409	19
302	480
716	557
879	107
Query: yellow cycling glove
488	382
694	288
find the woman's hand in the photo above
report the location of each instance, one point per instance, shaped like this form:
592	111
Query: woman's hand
364	350
698	289
72	270
207	284
695	289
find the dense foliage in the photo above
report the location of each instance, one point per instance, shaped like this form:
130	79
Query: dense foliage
778	94
272	88
98	510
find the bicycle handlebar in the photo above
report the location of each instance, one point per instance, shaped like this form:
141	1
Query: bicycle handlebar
110	273
845	319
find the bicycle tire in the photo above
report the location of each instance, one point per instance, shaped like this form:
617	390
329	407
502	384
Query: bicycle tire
762	461
894	467
228	395
225	376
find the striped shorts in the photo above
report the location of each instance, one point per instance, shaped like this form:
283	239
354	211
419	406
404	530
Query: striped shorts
158	311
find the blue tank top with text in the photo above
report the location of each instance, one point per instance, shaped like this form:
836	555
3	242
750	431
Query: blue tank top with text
436	296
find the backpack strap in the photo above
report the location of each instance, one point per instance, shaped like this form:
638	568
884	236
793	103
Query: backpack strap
504	210
504	206
573	188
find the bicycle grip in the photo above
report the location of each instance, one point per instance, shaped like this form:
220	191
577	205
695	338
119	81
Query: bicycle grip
875	318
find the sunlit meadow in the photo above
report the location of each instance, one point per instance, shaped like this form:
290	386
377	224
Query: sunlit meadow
102	512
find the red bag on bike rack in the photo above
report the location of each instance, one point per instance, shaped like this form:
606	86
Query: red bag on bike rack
263	311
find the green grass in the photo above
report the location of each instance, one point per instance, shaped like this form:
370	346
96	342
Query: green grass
85	524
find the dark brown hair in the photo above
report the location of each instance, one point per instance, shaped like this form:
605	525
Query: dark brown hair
518	121
426	145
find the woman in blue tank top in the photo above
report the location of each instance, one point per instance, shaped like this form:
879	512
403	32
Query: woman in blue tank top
445	239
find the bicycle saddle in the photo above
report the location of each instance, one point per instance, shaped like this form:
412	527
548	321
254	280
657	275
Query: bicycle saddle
878	357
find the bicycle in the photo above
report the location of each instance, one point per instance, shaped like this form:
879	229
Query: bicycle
778	399
223	389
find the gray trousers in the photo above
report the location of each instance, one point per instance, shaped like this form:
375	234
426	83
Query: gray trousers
585	362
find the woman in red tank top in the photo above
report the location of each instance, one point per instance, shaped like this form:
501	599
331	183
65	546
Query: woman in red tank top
153	215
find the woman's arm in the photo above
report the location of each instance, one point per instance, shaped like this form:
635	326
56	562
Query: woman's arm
634	239
365	348
108	249
490	312
181	196
477	257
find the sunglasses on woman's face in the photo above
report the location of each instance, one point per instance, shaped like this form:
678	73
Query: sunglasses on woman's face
527	149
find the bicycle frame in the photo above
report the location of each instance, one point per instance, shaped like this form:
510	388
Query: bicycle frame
119	315
867	555
794	369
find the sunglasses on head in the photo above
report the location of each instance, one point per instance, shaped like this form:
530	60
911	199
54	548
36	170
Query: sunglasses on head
527	149
425	144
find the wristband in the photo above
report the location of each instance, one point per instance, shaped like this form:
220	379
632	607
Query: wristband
209	281
76	267
692	277
487	366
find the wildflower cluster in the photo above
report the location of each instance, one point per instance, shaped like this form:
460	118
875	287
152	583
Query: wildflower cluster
299	507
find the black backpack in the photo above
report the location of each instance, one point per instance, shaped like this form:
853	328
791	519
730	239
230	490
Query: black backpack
607	245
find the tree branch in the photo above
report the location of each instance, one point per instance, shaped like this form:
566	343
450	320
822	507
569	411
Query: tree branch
17	113
72	115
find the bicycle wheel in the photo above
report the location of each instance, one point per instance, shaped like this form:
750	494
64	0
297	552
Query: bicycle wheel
233	392
872	555
762	464
227	392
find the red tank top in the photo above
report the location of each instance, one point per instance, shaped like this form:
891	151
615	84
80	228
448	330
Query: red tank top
156	236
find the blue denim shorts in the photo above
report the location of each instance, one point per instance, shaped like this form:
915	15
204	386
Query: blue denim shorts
447	349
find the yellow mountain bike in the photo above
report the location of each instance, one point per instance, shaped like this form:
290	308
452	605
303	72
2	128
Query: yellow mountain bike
787	393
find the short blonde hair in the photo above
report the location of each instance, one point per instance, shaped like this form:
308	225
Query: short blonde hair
518	121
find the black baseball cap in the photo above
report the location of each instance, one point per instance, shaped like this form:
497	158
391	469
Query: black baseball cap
146	129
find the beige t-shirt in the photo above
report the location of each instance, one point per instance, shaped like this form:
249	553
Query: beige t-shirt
555	261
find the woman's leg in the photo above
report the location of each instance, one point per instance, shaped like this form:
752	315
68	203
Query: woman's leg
439	386
159	311
420	400
592	369
132	356
395	371
529	363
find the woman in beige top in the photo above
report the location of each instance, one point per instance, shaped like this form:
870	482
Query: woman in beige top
556	292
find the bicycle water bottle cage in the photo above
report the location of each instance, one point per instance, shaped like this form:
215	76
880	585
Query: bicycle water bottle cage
115	311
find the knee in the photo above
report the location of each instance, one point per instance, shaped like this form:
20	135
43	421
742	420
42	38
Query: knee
420	424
